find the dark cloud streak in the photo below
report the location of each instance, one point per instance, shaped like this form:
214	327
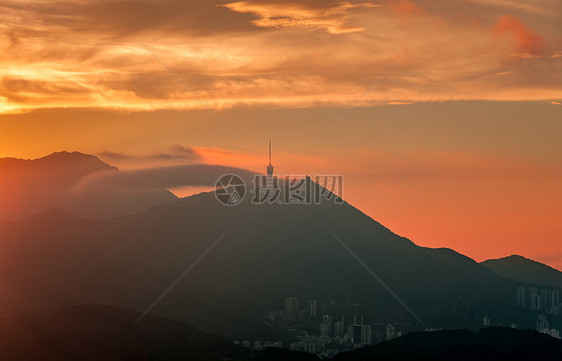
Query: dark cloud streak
177	152
195	175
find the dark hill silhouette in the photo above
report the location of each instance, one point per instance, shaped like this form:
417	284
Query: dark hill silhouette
107	333
525	270
496	343
33	186
97	332
270	252
73	164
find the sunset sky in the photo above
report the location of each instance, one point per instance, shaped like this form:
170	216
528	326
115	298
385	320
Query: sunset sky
459	145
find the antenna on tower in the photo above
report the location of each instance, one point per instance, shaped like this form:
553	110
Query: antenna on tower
269	167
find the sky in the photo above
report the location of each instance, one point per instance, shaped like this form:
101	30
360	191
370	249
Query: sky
444	118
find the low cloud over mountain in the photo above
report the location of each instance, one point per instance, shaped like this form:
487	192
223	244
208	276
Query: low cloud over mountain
85	186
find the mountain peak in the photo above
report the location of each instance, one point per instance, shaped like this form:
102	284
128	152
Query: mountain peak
63	158
74	157
516	259
64	153
519	258
50	216
525	270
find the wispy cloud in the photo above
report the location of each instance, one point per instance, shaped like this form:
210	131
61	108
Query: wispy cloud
275	14
88	54
526	40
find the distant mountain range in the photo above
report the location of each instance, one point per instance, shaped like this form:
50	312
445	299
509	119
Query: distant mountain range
32	186
53	260
84	186
525	270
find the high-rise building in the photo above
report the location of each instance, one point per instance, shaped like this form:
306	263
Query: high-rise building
354	330
351	313
360	333
533	298
311	308
310	347
542	324
554	298
326	326
339	329
365	335
333	310
542	303
521	297
291	306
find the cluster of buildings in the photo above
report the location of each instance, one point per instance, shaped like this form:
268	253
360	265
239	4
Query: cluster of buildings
543	327
541	300
335	327
293	313
334	337
326	329
545	300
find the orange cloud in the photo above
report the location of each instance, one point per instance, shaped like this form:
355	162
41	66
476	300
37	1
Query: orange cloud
295	15
404	7
86	54
526	40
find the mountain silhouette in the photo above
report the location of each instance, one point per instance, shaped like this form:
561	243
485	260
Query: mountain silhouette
32	186
525	270
269	252
74	164
96	332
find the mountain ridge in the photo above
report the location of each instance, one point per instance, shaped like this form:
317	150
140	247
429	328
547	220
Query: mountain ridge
31	186
73	157
271	252
525	270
